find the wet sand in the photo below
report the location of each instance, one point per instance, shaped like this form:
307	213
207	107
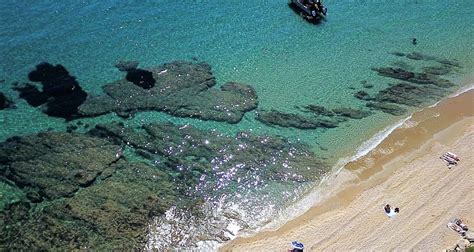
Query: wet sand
405	171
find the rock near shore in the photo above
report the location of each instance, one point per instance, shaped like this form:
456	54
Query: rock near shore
181	89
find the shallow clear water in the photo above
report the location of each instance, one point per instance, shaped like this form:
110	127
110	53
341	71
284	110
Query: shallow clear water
264	43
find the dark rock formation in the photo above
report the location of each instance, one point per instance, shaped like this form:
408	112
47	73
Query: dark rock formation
399	54
418	78
193	153
387	108
351	113
447	62
403	65
90	198
112	215
402	93
81	193
274	117
409	94
141	78
362	95
55	164
438	70
367	85
125	66
5	102
420	56
319	110
182	89
61	93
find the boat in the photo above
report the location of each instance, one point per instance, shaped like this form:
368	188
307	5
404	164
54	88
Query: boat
309	9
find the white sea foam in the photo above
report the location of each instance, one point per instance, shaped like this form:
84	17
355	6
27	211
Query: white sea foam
375	140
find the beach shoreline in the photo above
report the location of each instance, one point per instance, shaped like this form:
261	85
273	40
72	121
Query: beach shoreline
448	125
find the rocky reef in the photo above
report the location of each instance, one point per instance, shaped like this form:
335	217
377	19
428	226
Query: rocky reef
413	77
179	88
388	108
314	117
282	119
102	189
80	194
419	88
61	94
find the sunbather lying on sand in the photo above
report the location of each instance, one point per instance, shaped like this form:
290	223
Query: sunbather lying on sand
460	224
454	156
449	160
391	212
453	226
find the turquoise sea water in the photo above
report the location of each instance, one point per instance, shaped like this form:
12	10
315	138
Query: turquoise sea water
263	43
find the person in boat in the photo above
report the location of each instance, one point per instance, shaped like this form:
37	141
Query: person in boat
320	7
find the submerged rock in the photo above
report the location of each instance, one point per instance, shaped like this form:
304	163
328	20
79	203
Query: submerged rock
418	78
453	63
409	94
181	89
5	102
141	78
111	215
351	113
420	56
81	194
319	110
362	95
438	70
55	164
125	65
61	93
399	54
387	108
274	117
193	153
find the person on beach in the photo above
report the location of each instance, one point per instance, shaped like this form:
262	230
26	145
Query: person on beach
387	209
296	246
391	212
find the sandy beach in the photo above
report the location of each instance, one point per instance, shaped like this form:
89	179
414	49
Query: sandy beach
404	171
